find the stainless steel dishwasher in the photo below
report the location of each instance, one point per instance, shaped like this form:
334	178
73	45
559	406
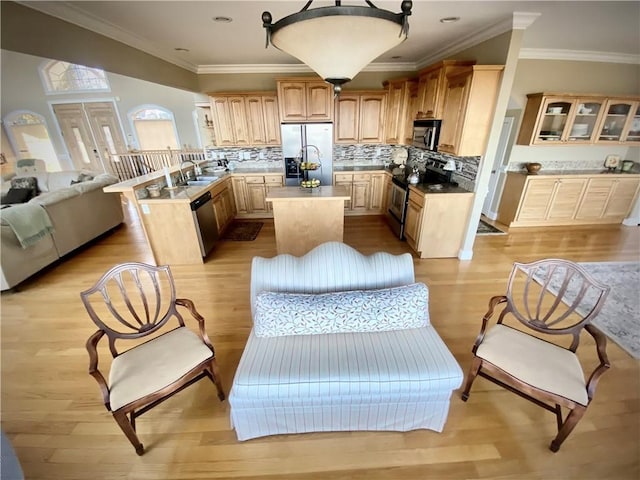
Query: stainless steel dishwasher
205	220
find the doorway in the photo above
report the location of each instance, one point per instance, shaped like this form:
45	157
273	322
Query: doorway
91	132
498	170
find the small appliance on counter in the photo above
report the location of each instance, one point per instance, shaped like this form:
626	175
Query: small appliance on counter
627	165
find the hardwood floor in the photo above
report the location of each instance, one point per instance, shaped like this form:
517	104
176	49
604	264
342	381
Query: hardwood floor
52	413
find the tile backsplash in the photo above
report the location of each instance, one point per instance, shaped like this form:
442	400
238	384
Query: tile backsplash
467	167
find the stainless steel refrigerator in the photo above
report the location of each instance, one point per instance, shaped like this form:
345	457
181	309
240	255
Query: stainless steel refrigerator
307	142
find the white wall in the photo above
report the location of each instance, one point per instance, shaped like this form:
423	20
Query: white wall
22	89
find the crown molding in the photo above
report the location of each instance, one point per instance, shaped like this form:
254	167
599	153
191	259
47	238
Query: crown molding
578	55
70	13
468	41
295	68
523	20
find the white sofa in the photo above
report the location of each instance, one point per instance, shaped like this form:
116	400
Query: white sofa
313	363
78	212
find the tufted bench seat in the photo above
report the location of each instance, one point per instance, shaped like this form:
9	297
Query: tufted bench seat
341	341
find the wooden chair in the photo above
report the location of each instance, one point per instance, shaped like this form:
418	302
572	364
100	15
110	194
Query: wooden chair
132	302
549	297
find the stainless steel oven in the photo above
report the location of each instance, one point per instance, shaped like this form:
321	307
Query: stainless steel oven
397	206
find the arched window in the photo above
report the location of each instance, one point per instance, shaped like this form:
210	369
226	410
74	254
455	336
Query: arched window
30	138
64	77
154	127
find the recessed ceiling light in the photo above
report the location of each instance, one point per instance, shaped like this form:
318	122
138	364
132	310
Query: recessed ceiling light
449	19
180	49
222	19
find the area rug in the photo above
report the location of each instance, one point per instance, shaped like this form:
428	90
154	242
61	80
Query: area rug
619	318
242	231
486	229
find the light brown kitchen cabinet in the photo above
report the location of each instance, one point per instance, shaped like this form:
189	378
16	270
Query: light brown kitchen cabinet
436	222
578	119
223	205
243	119
432	86
556	119
620	122
367	191
398	95
305	100
412	113
538	200
360	117
469	104
250	192
229	121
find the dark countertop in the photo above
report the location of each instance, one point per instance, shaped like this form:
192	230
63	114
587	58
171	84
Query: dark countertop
446	188
360	168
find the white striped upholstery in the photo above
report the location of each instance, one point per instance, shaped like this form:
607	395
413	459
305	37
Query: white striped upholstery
330	267
393	380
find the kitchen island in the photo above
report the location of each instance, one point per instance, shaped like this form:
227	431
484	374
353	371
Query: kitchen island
305	218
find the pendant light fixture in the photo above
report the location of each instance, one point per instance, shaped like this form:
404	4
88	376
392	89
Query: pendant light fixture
338	41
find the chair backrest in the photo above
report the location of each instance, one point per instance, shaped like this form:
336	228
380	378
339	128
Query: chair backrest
132	300
330	267
554	296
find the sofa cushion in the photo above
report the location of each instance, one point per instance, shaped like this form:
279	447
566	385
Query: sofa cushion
29	183
396	308
83	177
17	195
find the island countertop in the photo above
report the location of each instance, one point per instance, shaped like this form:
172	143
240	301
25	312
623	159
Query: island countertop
324	192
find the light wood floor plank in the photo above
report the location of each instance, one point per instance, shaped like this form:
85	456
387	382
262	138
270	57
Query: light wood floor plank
51	408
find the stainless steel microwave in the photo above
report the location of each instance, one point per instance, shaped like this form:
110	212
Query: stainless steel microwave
426	134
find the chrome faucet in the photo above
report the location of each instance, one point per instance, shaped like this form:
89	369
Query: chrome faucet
195	169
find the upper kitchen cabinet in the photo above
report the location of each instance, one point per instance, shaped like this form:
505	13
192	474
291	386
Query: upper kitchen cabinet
305	100
578	119
398	99
360	117
432	83
620	122
469	103
553	119
243	119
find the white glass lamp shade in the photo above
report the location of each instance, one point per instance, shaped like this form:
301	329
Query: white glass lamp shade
338	47
450	166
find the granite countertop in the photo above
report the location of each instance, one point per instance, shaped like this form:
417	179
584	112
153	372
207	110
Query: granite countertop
359	168
257	171
446	188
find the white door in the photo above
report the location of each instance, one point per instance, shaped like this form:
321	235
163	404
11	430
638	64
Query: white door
91	132
498	171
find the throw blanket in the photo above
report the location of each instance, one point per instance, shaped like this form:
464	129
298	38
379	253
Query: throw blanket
29	221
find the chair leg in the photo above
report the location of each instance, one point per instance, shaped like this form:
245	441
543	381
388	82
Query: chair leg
128	430
567	427
215	378
471	376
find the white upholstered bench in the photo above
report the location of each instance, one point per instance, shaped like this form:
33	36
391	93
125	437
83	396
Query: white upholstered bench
313	363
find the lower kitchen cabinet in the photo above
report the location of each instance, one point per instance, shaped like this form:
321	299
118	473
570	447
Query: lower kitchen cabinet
367	192
224	205
436	222
538	200
250	192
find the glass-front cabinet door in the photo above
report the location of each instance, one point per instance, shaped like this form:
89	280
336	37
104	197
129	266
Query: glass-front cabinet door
584	122
616	118
554	117
632	132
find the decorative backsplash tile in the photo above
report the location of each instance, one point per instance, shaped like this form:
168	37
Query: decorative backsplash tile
467	167
361	155
561	165
259	157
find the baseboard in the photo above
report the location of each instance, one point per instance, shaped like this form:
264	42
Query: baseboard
631	222
491	215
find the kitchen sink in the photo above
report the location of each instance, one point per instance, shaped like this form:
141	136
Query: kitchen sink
201	181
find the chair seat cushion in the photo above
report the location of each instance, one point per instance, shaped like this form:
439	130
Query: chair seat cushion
536	362
153	365
336	366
